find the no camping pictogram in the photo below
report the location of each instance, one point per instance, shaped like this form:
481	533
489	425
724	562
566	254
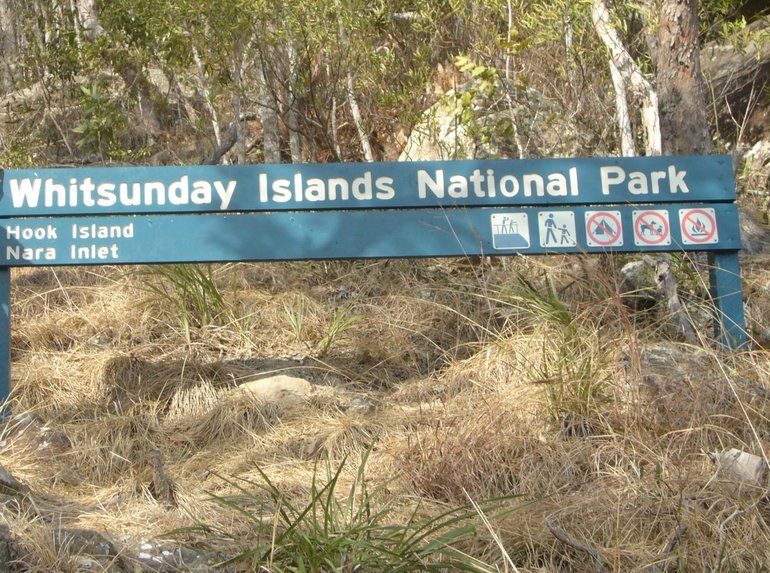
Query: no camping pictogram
699	226
651	228
604	229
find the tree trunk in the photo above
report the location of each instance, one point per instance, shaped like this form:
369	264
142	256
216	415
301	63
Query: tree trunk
681	91
355	112
632	76
292	116
88	19
268	114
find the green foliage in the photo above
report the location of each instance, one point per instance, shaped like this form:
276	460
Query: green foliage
544	305
17	155
102	124
191	290
295	316
725	20
352	528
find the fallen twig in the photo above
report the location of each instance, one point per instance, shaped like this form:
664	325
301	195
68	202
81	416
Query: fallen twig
564	537
673	541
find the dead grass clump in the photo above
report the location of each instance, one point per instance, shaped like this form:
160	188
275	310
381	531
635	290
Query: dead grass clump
461	453
204	418
60	331
129	378
58	385
109	448
342	436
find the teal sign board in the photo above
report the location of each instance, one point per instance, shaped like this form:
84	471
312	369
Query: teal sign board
143	215
135	190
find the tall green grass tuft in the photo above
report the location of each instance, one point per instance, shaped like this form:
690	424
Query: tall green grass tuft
353	527
574	356
338	321
191	290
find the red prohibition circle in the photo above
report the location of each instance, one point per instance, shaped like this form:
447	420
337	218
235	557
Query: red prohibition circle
603	242
709	235
659	238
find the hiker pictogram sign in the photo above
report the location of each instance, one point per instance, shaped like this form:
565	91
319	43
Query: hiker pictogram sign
557	228
699	226
604	229
651	228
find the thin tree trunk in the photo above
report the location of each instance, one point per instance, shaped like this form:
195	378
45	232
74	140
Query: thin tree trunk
268	114
8	47
292	117
240	135
355	111
623	119
333	122
88	18
206	92
632	76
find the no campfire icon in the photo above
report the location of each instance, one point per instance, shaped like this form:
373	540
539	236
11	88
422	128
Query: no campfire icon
698	226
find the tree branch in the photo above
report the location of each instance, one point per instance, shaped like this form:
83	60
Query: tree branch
231	138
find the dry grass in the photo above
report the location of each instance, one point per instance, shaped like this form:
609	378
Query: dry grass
475	385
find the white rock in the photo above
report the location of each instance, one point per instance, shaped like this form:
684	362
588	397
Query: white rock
741	467
279	389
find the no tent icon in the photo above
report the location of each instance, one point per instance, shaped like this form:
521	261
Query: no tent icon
604	229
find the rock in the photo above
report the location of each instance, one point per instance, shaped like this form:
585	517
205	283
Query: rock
28	432
5	549
362	405
763	337
280	390
526	124
737	72
676	380
9	485
638	286
673	360
169	558
83	541
755	236
741	467
93	550
755	172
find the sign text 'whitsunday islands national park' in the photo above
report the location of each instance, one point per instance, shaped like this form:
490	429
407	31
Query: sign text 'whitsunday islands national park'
140	190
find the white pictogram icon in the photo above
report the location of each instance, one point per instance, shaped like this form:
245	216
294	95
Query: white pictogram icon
510	231
698	226
557	229
651	228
